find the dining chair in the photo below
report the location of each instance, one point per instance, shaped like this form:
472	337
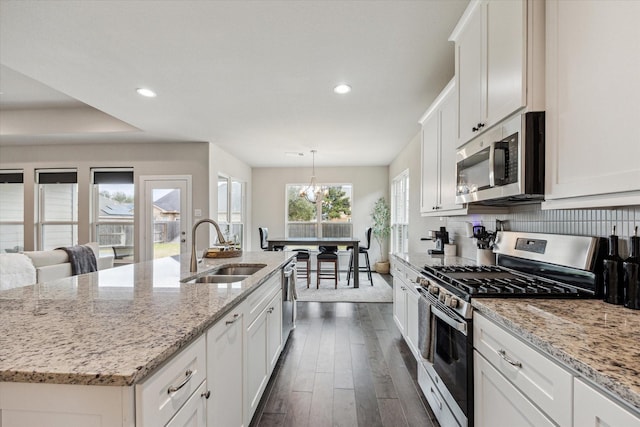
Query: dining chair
264	240
361	250
327	255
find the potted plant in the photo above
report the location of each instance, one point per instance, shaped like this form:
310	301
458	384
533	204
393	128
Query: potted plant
381	229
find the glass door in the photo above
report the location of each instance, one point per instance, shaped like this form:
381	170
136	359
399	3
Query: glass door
166	220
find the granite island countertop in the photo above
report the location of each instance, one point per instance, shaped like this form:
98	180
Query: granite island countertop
115	326
600	341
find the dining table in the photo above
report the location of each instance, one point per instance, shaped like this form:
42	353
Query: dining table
322	241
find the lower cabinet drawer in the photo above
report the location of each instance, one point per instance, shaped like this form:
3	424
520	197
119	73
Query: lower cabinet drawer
194	412
160	396
258	300
540	379
497	403
436	401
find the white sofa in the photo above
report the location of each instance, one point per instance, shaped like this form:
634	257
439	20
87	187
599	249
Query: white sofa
54	264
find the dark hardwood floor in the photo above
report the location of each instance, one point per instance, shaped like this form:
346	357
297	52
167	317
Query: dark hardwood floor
345	364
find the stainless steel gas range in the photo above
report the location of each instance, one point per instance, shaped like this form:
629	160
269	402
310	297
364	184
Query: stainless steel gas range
529	265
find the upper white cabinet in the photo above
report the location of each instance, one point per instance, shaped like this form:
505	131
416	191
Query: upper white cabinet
499	56
439	154
592	111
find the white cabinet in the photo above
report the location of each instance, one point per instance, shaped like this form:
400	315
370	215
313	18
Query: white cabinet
499	56
593	409
225	370
439	142
194	412
65	405
159	397
540	379
498	403
400	305
274	330
405	304
263	344
516	385
592	112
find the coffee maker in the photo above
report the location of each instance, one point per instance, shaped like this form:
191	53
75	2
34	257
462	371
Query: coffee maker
441	237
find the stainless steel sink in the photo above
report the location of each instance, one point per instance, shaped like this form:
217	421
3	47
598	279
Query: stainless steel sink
228	274
237	270
219	278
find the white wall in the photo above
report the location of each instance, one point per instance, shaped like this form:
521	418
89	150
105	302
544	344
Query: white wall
223	163
410	158
145	159
269	198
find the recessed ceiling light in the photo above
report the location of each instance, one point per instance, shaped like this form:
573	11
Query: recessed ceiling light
293	154
146	92
342	89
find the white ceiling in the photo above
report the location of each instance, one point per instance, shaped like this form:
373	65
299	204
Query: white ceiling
255	77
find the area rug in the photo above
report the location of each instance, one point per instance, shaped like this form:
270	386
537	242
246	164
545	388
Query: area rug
379	292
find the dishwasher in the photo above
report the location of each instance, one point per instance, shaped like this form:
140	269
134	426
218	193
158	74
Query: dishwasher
288	300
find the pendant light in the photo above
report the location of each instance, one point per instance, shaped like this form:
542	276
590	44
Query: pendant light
313	192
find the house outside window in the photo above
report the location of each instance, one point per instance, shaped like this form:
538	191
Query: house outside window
11	211
57	223
400	213
231	196
330	216
113	212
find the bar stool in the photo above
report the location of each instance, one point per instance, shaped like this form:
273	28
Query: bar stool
327	255
361	250
303	255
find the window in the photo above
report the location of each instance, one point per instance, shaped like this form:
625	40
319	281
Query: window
231	208
329	217
11	211
57	223
112	212
400	213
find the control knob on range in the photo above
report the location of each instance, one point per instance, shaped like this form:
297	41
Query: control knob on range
442	297
453	302
434	289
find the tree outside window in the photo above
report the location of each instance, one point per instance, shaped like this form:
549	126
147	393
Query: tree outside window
328	217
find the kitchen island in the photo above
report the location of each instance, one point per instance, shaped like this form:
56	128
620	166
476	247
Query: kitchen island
116	327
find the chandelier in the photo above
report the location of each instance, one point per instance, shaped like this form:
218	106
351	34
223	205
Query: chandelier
313	192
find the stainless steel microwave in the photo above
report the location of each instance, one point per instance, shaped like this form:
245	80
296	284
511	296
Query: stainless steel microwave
504	165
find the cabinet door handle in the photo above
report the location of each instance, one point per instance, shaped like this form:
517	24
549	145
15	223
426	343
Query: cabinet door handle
507	359
184	382
480	125
270	310
206	394
231	322
474	129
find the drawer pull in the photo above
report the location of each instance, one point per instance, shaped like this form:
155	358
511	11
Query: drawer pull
184	382
231	322
510	361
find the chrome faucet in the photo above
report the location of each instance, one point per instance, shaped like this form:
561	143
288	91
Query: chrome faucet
194	258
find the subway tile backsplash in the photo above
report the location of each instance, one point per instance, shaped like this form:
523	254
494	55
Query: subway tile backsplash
530	218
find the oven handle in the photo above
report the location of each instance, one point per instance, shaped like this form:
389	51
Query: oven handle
459	326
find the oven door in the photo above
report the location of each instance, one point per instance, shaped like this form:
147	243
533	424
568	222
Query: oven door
453	359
